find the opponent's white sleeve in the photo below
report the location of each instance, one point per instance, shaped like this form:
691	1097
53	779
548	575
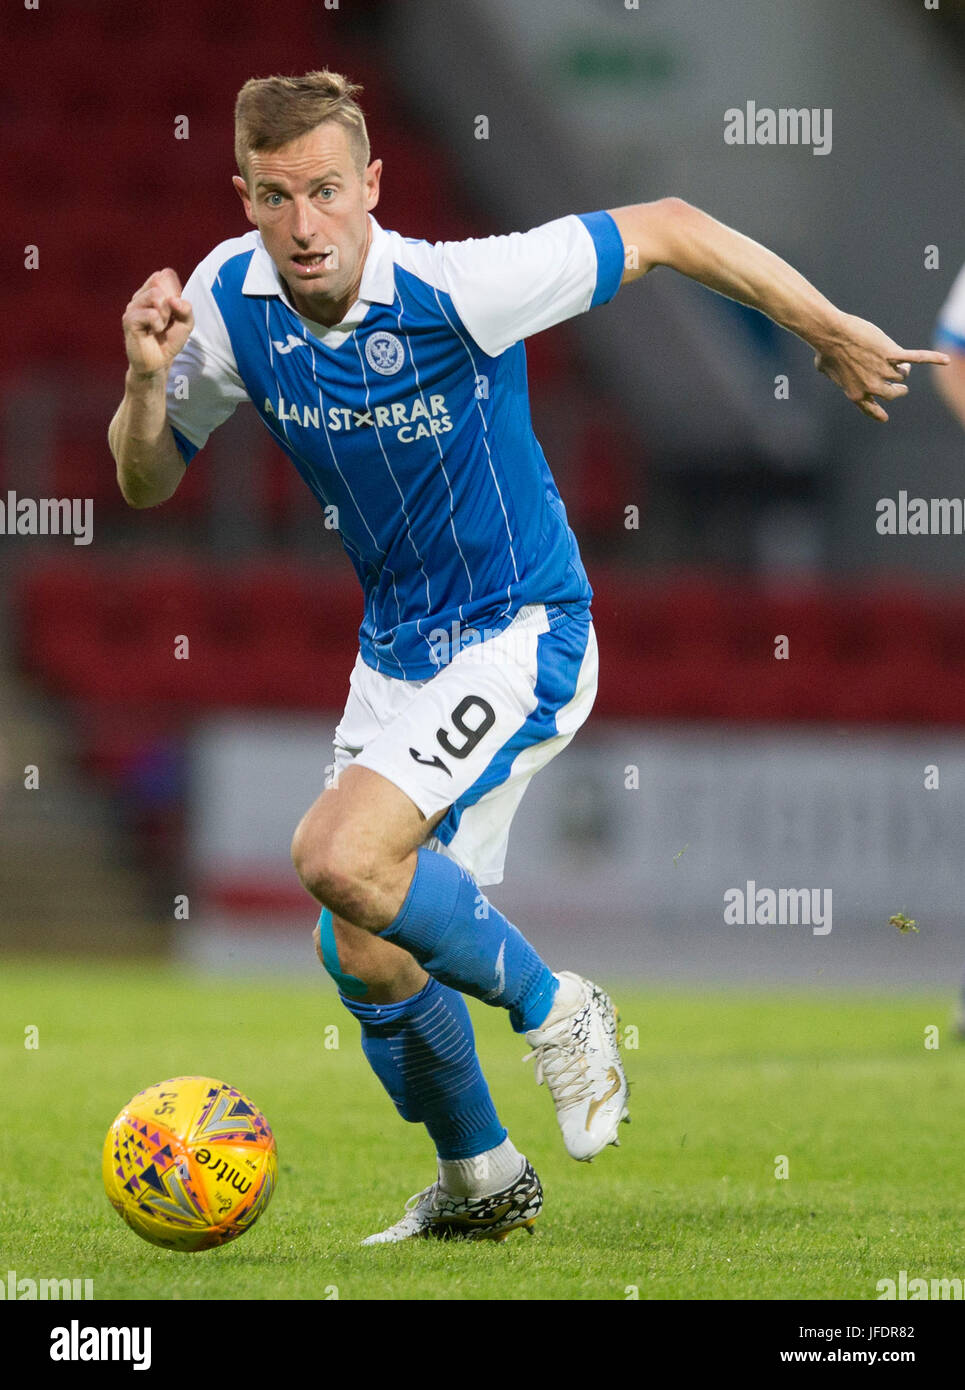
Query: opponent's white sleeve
203	386
505	288
951	317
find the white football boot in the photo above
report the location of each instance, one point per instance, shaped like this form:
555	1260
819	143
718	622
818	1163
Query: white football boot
438	1213
578	1057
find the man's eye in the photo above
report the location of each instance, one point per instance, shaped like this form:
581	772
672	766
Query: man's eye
325	192
270	197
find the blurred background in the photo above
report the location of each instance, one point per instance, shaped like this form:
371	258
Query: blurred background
147	803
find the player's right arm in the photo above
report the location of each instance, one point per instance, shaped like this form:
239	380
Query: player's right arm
157	324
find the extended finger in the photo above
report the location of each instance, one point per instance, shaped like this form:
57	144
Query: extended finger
921	355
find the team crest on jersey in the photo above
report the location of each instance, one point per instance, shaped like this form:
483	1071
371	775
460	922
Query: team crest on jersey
384	353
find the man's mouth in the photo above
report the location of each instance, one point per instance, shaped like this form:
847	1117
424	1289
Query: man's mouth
313	260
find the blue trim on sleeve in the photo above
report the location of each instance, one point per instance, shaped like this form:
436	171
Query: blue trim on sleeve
186	449
610	254
948	336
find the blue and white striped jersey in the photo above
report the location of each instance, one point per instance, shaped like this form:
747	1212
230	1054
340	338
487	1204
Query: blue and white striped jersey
411	417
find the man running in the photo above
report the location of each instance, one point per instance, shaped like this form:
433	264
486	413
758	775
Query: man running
392	373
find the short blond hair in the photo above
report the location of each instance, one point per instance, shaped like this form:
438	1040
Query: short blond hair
271	111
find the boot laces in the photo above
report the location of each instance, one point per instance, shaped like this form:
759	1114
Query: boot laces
563	1067
416	1201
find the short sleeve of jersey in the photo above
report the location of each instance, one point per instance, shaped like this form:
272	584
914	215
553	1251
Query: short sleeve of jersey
950	331
203	386
505	288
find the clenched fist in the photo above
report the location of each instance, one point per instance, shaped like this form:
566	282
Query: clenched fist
157	324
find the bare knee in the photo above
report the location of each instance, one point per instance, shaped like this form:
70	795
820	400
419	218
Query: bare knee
333	872
354	848
343	864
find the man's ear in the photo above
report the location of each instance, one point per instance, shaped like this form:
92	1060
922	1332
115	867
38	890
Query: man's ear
241	188
372	177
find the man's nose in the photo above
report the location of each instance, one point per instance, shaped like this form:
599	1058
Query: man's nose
302	226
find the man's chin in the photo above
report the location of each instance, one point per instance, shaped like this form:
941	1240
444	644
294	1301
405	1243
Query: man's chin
318	299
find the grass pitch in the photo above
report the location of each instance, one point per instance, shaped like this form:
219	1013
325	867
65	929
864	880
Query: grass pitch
723	1084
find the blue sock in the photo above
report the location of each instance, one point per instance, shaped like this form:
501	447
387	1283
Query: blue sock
424	1053
457	935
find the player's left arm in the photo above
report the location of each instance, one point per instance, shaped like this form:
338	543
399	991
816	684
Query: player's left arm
858	357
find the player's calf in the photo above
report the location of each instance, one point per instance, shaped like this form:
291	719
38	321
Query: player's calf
363	965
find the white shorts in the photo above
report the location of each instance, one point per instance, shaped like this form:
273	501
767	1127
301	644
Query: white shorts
471	736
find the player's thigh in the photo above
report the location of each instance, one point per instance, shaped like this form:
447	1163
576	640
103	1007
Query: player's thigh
362	822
